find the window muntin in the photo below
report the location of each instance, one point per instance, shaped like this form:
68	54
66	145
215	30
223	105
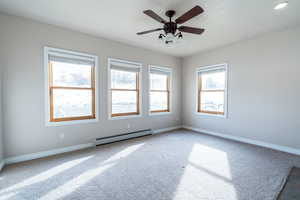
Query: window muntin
124	89
212	91
71	85
159	91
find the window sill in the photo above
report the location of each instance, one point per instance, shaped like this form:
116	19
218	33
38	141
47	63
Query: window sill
124	117
159	113
74	122
212	115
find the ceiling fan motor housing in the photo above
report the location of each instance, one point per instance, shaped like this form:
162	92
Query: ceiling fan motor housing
170	27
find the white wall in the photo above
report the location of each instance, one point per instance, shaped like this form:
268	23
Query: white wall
1	125
22	43
263	88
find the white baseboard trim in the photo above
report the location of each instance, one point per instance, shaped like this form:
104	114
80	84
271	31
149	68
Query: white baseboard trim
2	163
246	140
33	156
166	129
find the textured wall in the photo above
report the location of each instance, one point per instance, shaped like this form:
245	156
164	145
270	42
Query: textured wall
263	89
23	94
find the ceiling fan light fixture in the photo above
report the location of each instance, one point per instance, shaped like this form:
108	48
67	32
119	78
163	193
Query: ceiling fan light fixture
180	35
170	39
169	44
281	5
161	37
179	38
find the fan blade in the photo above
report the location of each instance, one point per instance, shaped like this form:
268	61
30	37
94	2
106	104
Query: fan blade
155	16
193	30
150	31
197	10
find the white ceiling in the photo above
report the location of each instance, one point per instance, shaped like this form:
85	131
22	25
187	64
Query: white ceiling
225	21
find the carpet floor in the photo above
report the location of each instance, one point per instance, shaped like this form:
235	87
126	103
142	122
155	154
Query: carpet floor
179	165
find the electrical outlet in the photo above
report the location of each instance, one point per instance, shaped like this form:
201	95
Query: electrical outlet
128	125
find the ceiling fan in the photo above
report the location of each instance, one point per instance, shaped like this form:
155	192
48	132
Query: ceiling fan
170	28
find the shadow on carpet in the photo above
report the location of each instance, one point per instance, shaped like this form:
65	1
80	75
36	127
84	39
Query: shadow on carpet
291	188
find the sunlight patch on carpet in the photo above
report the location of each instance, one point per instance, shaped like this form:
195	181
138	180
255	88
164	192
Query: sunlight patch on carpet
44	175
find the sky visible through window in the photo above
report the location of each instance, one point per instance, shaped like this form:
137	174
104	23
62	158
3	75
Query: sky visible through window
124	101
212	91
158	94
71	102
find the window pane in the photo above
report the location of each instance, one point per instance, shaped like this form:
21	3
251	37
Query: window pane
213	80
72	103
158	101
158	82
212	101
123	79
124	102
71	75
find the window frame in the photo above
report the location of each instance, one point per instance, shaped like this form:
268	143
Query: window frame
169	89
126	64
50	120
198	90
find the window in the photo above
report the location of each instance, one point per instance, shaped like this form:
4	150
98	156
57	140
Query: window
124	88
159	89
71	85
212	90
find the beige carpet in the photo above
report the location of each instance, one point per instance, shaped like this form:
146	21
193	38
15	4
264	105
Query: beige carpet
181	165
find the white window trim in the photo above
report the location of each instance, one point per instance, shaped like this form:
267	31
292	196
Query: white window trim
166	69
209	68
129	64
70	54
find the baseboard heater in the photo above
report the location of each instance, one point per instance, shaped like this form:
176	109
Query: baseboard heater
122	137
